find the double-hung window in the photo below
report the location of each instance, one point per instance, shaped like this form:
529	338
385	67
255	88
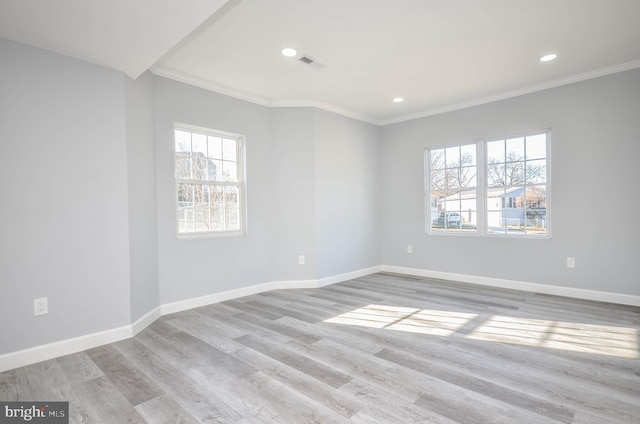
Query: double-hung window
453	188
209	181
496	186
516	185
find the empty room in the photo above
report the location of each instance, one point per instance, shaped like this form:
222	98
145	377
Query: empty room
320	211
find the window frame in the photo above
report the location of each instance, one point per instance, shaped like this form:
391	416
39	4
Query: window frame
482	189
240	182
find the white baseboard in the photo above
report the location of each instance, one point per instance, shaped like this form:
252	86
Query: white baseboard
196	302
63	347
146	320
77	344
623	299
348	276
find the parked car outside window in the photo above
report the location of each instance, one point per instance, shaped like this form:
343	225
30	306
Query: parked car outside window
452	219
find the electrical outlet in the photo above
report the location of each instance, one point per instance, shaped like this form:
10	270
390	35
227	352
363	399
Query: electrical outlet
301	259
571	262
40	306
409	248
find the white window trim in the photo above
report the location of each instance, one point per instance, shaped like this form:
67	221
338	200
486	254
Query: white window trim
241	184
481	190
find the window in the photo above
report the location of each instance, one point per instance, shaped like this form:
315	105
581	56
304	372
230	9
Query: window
507	195
453	185
517	170
209	183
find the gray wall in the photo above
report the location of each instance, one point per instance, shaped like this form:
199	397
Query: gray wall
141	168
595	148
196	267
347	175
292	166
63	183
89	217
311	179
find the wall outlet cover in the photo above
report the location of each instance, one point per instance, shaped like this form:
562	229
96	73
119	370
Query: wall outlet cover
40	306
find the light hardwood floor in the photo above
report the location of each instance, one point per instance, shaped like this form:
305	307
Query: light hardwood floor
379	349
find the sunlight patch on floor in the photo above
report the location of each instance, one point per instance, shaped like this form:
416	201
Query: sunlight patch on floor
423	321
571	336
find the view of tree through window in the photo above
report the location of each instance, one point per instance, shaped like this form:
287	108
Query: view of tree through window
513	198
208	181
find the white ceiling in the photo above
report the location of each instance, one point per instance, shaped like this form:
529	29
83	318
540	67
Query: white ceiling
438	54
126	35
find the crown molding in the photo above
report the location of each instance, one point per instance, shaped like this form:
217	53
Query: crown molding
515	93
180	76
228	91
325	106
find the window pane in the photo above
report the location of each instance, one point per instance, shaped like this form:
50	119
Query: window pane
446	221
494	199
215	147
229	149
199	145
469	221
452	202
515	225
536	171
200	170
225	210
495	223
468	210
438	180
183	141
452	156
184	165
468	154
537	226
185	194
514	173
232	208
536	212
453	178
212	170
438	199
537	146
217	167
515	149
468	177
437	159
495	151
536	197
202	218
186	220
496	175
229	171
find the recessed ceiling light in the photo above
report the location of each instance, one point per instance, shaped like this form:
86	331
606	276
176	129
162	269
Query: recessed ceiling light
398	100
548	57
289	52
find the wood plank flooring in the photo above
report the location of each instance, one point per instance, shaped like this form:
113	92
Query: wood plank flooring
379	349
